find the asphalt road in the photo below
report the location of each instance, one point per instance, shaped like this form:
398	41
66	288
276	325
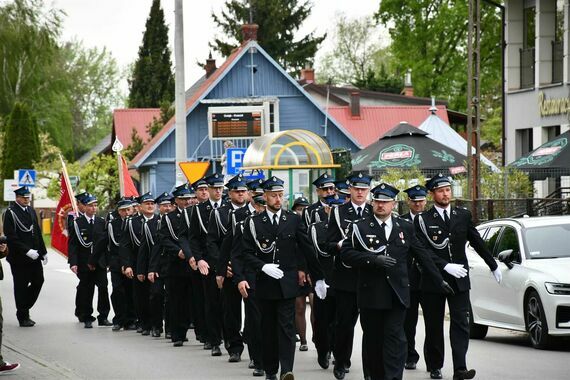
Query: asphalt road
58	347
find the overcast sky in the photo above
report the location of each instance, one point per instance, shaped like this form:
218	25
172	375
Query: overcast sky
119	25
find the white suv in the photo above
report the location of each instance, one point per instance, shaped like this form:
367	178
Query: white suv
534	296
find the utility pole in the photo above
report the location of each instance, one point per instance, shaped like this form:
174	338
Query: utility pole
473	104
179	92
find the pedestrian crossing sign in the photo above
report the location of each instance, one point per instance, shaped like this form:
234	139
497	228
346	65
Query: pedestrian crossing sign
26	177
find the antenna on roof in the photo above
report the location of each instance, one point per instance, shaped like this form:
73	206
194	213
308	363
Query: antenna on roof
433	108
250	13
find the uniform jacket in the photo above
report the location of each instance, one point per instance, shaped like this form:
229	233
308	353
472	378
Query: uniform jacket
130	241
241	272
23	233
173	236
381	288
198	232
318	235
313	214
460	231
228	244
219	227
149	243
286	245
343	276
95	237
414	268
115	229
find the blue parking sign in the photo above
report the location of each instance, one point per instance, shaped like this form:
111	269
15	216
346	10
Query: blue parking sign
234	160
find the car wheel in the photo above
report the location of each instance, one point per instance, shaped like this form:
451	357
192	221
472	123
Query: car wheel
536	321
476	331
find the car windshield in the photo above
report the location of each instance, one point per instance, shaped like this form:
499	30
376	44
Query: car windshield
548	242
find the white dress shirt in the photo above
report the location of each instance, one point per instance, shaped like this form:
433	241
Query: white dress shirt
387	228
270	214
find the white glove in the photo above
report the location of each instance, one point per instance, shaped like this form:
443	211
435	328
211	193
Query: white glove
44	259
456	270
32	254
498	275
272	270
321	289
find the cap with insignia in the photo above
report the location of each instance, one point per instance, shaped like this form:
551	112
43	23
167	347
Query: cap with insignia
146	197
237	183
325	180
255	185
80	195
23	191
214	180
134	201
182	191
359	180
438	181
384	192
336	199
200	183
164	199
416	193
343	186
124	202
259	200
88	199
301	201
273	184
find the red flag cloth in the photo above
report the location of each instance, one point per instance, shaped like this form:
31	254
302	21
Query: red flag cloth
60	234
129	189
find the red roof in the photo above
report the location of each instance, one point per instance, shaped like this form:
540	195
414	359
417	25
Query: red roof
124	120
190	102
375	121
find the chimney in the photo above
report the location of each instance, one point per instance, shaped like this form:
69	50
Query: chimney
408	87
355	104
210	66
307	75
249	32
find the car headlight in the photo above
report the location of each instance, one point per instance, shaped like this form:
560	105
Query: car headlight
560	289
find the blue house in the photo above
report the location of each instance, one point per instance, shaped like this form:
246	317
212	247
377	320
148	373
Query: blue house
250	81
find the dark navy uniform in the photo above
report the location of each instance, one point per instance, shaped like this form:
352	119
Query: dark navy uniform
383	289
152	305
87	251
447	240
23	231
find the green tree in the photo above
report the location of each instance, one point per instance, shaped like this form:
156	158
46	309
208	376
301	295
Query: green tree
430	37
403	179
152	80
135	146
21	146
279	21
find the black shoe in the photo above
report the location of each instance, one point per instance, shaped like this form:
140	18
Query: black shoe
435	374
234	358
27	323
131	326
207	346
116	328
145	332
31	320
271	377
410	365
216	351
339	372
185	339
80	319
139	330
257	372
156	333
251	365
88	324
323	361
288	376
168	335
104	322
178	343
462	374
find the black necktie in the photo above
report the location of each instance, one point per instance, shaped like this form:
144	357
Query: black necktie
215	204
275	220
91	221
446	217
383	225
359	211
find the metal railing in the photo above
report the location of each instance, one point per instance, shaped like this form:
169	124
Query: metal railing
557	61
527	67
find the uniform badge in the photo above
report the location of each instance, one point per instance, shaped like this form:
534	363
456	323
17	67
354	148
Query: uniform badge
439	232
264	245
377	241
371	224
284	217
434	238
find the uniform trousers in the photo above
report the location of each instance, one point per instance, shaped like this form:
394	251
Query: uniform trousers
346	317
122	299
252	329
231	306
213	309
325	313
141	293
28	281
278	329
433	306
157	303
197	307
410	326
385	342
86	289
178	288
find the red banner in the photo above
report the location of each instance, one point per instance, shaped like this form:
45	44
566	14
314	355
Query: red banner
60	234
128	188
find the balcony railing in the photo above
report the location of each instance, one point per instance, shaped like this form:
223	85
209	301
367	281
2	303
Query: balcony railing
527	67
557	65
